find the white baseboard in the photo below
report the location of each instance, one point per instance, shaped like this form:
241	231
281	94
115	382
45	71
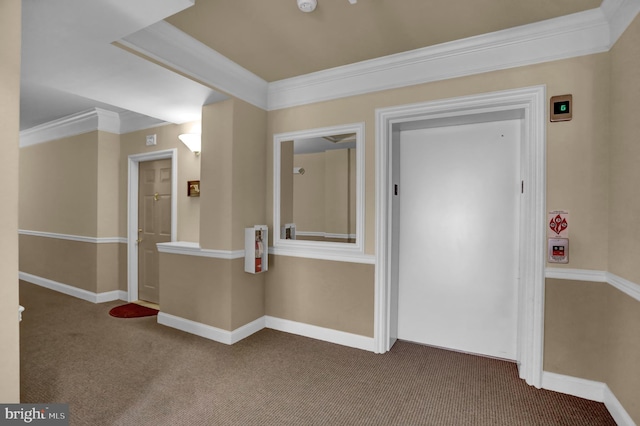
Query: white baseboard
110	296
74	291
321	333
588	389
231	337
209	332
199	329
247	330
616	409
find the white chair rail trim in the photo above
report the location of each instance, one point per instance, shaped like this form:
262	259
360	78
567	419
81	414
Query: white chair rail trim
70	237
186	248
630	288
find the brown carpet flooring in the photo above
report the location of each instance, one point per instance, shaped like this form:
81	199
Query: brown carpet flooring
114	371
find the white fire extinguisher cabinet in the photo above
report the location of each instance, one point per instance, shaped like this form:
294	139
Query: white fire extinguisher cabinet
256	256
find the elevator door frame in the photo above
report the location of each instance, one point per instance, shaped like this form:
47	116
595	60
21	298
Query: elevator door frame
528	104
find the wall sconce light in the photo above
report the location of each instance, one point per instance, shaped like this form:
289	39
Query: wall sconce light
193	141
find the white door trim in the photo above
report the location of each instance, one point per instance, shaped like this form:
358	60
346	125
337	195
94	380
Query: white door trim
528	103
132	211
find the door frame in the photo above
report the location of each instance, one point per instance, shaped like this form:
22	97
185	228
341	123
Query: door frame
132	211
528	104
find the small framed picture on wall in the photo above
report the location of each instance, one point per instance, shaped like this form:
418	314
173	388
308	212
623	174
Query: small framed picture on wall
193	188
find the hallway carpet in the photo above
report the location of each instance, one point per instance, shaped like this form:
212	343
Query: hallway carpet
136	372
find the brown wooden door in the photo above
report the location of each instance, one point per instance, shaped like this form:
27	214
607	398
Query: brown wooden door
154	224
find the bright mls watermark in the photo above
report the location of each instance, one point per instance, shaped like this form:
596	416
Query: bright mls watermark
34	414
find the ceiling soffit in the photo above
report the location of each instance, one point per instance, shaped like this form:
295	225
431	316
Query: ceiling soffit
273	40
583	33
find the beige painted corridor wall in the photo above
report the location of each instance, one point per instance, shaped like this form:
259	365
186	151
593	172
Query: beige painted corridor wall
324	196
69	186
624	237
10	32
59	186
216	291
624	215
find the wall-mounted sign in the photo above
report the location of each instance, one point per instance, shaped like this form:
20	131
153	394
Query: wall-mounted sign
558	224
561	108
558	249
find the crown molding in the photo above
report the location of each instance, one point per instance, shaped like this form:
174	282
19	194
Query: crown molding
85	122
620	14
178	51
560	38
72	125
584	33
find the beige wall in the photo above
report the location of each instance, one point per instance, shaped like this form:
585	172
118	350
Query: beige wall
576	329
84	265
623	372
308	193
10	18
64	261
287	183
591	332
191	288
624	227
215	292
233	173
217	155
324	197
247	295
334	295
108	169
624	145
59	179
336	191
249	170
218	292
70	186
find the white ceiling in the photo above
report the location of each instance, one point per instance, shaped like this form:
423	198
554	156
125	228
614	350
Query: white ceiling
69	63
128	56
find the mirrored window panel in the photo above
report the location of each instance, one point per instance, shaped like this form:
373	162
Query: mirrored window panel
320	186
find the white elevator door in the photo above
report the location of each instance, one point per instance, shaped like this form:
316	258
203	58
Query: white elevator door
458	248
